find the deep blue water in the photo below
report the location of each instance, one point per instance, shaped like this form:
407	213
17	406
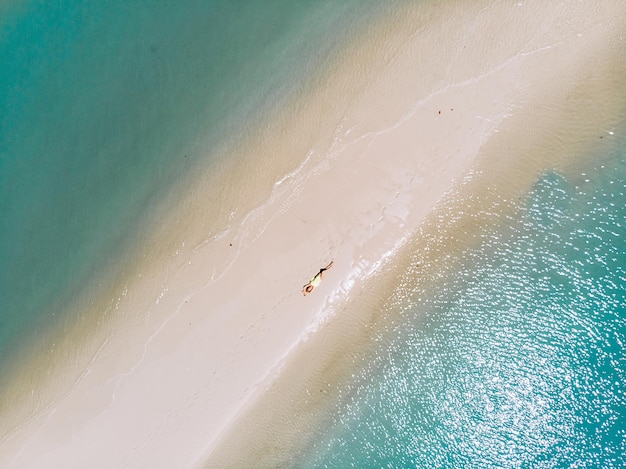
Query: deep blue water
518	359
106	105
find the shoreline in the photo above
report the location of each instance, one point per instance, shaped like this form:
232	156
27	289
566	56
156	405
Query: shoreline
272	430
228	318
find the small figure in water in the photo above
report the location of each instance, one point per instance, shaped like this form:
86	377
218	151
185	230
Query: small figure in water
315	281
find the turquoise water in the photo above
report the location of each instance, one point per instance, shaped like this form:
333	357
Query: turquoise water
518	359
106	105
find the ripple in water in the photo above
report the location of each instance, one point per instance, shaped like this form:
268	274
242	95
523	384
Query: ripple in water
519	358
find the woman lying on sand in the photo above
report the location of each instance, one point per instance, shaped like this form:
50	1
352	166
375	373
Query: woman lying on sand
315	281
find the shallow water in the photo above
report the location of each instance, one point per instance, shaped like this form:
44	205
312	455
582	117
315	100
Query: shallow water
517	358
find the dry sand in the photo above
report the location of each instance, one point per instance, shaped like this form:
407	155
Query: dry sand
348	173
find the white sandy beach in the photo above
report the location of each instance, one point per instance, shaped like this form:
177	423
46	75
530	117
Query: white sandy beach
429	99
